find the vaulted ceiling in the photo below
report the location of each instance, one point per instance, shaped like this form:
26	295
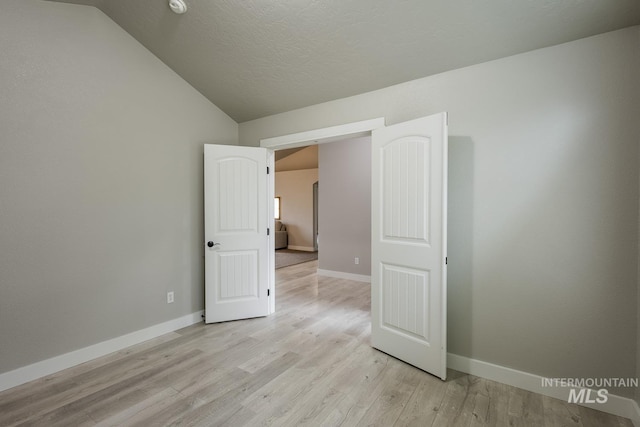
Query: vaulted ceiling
254	58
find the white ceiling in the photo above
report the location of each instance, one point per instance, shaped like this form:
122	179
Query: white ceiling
254	58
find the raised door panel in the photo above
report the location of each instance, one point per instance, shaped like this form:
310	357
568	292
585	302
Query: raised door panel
237	193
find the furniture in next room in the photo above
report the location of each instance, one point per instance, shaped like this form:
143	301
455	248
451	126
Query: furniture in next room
281	235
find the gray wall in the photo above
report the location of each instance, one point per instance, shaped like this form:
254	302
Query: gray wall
344	214
101	209
543	218
637	391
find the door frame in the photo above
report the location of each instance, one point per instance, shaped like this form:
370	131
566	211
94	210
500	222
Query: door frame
303	139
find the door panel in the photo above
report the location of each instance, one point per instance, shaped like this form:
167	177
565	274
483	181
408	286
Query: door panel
236	249
406	190
408	294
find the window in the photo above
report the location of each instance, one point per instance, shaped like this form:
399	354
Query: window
276	207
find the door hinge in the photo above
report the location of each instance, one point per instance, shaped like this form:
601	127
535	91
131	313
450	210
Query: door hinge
267	170
446	260
268	231
268	292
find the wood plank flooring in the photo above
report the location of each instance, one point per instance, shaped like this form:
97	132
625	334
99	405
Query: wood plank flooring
311	363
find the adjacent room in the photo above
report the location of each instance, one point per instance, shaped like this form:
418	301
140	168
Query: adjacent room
326	187
108	107
296	215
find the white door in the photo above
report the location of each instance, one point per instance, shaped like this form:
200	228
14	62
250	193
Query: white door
235	226
408	248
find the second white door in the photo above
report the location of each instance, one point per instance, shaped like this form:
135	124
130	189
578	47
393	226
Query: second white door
236	241
408	242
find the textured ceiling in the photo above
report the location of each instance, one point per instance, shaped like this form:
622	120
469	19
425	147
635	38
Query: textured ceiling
254	58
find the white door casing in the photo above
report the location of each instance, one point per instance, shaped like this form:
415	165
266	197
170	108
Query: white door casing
236	240
408	248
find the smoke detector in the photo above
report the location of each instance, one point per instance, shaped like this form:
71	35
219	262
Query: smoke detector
178	6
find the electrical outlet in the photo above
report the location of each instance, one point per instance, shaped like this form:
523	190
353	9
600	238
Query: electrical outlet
169	297
356	261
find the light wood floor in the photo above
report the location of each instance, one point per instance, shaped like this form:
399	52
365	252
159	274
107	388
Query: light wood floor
309	364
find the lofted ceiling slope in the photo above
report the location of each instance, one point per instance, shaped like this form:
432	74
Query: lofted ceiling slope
254	58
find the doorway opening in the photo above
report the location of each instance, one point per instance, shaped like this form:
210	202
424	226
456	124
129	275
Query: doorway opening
335	221
305	139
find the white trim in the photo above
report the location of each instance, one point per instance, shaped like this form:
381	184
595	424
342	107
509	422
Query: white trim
324	135
635	419
271	188
58	363
301	248
343	275
616	405
443	261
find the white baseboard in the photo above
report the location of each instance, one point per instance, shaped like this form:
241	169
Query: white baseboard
301	248
616	405
58	363
343	275
636	416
